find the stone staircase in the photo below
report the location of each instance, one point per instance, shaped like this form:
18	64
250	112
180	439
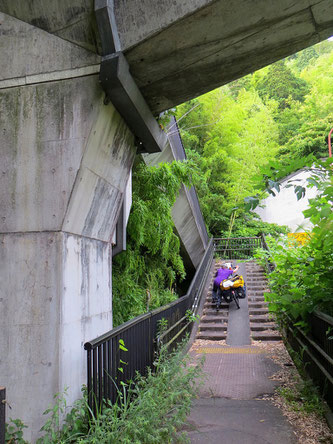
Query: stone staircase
214	325
262	325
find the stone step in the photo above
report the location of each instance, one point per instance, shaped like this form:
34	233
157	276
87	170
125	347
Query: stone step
217	336
262	327
261	318
213	307
212	327
209	300
258	304
210	311
256	299
256	288
258	311
214	320
259	281
254	293
266	336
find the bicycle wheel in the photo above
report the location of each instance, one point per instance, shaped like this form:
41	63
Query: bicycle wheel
235	298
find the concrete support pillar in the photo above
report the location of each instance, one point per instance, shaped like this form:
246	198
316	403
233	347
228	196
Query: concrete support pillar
65	162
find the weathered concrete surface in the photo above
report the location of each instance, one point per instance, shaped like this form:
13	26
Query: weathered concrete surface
65	163
18	38
45	130
180	49
55	294
187	227
232	421
30	322
101	181
85	305
43	136
73	21
220	42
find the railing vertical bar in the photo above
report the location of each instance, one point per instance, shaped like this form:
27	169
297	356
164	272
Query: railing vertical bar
110	382
89	379
114	368
100	376
94	379
2	414
105	371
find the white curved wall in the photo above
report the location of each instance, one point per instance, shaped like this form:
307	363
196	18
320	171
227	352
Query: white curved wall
284	208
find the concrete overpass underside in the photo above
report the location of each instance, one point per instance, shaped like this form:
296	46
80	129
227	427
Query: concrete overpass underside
180	49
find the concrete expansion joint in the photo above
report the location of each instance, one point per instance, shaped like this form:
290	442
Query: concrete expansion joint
104	179
83	236
53	76
29	232
34	232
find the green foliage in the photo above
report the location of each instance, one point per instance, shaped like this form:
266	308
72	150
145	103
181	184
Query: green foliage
14	432
303	278
221	137
280	84
311	139
164	118
144	274
150	409
251	226
63	426
303	397
155	407
191	317
271	120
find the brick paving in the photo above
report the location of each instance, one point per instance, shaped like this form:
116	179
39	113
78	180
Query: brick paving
236	373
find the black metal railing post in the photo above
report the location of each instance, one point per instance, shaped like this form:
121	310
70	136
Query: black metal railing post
2	414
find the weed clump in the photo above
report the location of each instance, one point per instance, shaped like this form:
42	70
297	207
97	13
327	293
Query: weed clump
150	409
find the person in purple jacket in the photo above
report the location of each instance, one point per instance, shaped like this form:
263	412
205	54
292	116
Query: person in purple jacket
222	273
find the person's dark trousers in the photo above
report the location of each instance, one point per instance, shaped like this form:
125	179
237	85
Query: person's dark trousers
214	292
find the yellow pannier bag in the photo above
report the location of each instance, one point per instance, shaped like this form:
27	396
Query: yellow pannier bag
238	281
235	282
225	287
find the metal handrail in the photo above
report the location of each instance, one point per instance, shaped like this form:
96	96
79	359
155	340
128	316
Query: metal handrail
237	247
115	331
104	353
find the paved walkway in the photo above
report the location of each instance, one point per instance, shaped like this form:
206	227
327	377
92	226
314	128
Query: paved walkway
230	408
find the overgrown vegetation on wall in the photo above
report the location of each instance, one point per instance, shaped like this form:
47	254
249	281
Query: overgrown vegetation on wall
144	275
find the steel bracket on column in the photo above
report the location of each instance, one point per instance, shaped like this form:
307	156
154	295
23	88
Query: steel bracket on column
120	87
